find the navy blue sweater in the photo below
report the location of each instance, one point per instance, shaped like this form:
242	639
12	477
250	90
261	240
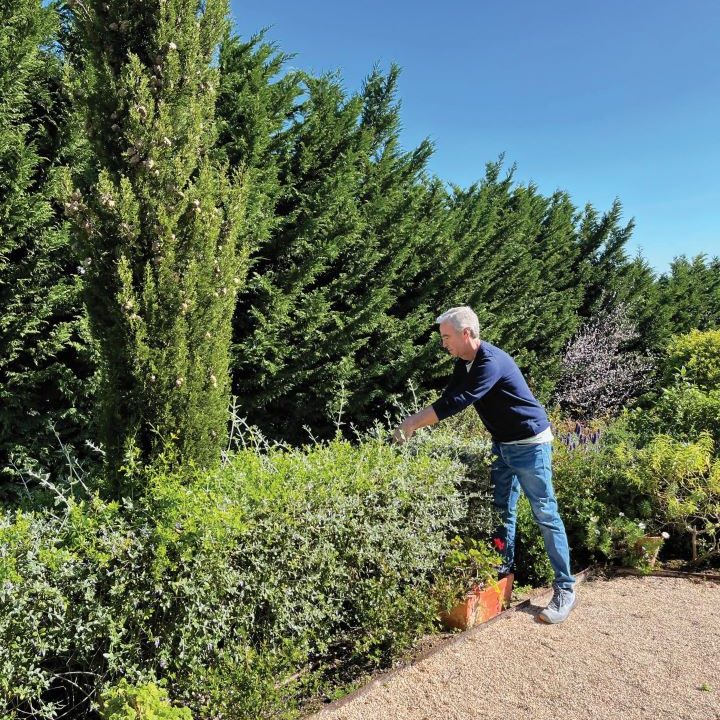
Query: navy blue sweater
499	392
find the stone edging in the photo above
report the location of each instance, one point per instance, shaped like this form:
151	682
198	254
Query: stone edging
710	576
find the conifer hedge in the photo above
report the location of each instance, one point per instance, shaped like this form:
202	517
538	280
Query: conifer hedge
205	180
46	372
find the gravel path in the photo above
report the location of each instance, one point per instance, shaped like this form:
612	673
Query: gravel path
634	648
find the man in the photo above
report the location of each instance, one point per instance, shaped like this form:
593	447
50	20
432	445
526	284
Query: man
489	379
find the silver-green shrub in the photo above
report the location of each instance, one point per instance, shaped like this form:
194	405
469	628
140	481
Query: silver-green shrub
241	590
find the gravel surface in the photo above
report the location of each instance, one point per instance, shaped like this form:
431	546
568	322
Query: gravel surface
633	648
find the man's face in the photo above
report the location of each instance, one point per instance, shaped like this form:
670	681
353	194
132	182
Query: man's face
453	340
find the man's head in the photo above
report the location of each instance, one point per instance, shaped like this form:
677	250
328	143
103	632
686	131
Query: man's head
460	332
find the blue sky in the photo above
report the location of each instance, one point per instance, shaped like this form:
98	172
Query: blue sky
602	99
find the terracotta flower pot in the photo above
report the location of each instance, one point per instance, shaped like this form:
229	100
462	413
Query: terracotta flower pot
481	604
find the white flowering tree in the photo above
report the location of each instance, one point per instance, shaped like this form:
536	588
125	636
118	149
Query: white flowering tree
158	227
598	375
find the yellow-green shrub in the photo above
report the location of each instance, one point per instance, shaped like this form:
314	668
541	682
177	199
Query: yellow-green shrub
144	702
682	481
696	357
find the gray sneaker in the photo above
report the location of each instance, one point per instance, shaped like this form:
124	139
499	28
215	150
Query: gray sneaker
557	610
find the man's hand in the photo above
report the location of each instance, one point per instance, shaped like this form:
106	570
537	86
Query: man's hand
403	432
411	423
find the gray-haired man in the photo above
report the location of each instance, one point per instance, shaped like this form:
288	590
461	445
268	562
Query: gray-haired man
489	379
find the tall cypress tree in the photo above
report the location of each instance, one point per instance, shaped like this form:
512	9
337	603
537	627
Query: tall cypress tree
45	369
159	227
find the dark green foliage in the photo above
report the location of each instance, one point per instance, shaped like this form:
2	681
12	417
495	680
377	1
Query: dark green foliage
255	104
603	265
325	285
159	228
647	309
384	285
510	255
355	250
358	251
286	326
556	319
454	266
227	586
691	294
45	368
532	300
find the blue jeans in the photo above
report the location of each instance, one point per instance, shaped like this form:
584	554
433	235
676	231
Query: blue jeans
529	467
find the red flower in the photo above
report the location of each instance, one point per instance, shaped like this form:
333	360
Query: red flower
499	544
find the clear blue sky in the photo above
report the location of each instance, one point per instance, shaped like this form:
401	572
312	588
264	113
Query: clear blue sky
619	98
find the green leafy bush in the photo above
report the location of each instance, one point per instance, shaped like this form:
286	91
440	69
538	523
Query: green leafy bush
683	411
634	483
580	475
682	481
463	440
689	402
593	491
242	590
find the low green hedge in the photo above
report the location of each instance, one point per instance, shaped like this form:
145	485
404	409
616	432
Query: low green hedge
239	592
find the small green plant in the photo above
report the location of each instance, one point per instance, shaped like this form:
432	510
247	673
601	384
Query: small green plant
626	540
143	702
520	592
705	687
468	563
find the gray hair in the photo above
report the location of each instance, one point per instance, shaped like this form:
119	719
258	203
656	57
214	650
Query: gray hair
461	318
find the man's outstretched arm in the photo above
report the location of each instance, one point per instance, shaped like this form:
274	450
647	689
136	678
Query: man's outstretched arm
411	423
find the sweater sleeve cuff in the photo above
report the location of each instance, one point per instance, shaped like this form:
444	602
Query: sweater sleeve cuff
441	409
